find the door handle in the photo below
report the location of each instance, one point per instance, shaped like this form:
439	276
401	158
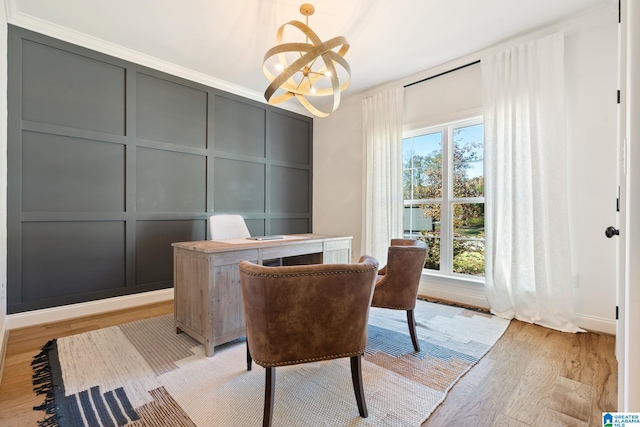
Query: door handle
611	231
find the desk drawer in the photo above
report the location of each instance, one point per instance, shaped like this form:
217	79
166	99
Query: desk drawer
234	257
271	252
334	245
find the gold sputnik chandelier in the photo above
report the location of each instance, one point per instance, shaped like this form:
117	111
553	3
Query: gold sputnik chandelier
306	70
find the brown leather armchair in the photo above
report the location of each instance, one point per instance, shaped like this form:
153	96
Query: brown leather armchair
307	313
398	281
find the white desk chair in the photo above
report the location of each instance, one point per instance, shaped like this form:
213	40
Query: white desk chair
233	227
227	227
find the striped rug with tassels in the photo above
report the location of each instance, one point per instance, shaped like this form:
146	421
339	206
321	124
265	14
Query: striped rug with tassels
144	374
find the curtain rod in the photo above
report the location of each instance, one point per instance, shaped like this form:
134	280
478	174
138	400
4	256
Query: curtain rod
443	73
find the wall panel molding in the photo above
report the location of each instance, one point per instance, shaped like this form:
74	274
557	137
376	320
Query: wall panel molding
110	162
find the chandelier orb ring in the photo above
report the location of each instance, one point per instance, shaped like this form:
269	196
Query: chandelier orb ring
313	73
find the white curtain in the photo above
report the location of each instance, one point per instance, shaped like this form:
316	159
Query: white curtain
383	205
528	259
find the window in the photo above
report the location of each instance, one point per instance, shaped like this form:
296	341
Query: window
443	184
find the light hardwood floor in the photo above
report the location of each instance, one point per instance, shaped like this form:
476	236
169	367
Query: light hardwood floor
16	392
532	377
535	376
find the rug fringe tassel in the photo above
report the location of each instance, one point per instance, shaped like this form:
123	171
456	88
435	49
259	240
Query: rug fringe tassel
43	385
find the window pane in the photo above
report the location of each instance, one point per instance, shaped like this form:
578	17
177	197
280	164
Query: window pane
468	257
415	221
468	161
468	220
422	222
433	253
422	164
468	238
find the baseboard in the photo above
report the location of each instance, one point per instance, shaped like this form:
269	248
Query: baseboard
55	314
596	324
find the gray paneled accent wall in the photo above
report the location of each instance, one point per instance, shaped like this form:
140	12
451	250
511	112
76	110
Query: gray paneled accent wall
109	162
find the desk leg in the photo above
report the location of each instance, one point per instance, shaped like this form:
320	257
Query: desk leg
208	349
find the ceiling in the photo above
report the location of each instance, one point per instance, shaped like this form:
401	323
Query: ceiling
225	40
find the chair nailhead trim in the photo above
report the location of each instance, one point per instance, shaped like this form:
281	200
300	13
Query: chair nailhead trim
318	273
313	359
393	308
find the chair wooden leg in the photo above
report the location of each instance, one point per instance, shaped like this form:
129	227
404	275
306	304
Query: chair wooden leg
269	391
356	377
412	330
249	359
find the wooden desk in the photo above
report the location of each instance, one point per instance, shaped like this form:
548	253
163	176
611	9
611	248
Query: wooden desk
208	299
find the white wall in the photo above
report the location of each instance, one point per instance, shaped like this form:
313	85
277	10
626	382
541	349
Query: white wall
337	173
450	97
591	84
591	67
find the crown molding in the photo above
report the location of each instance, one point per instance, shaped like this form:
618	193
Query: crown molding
602	15
19	19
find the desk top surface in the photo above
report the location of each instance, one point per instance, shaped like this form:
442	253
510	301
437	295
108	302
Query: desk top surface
210	246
